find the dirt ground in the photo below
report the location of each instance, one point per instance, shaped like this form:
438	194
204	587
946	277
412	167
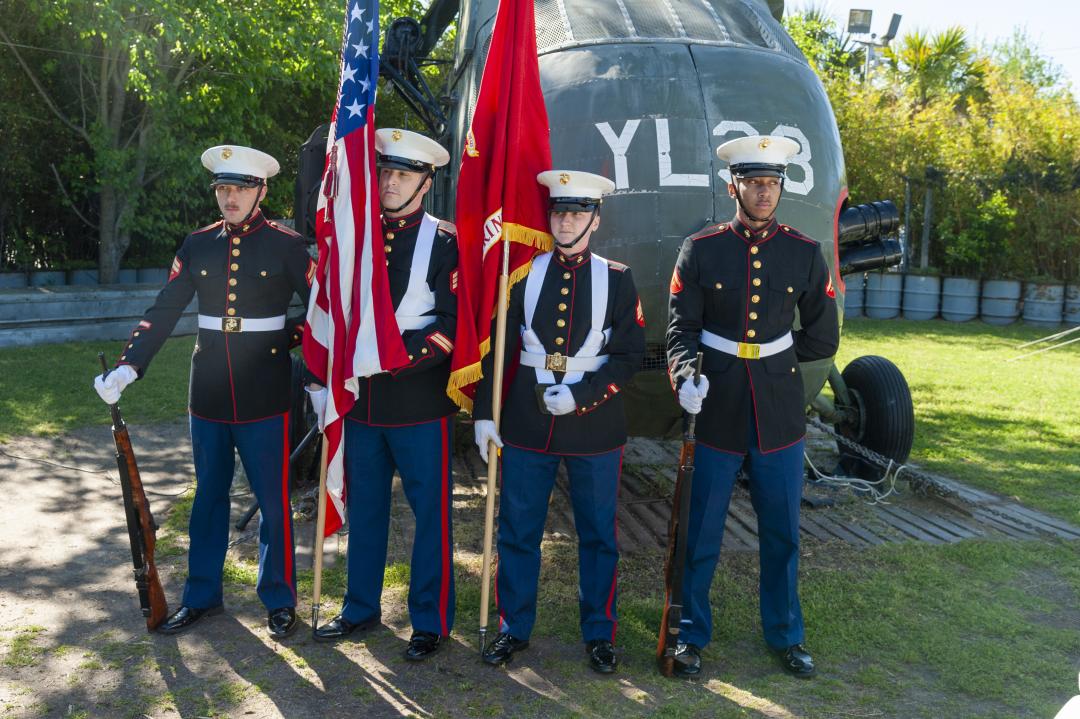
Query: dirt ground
69	607
76	644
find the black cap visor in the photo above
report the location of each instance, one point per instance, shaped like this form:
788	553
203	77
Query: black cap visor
573	204
403	163
230	178
757	169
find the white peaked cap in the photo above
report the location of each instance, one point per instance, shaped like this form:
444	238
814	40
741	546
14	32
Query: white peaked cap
238	165
575	184
768	154
420	153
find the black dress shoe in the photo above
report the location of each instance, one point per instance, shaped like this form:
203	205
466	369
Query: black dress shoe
339	627
182	619
797	662
504	646
281	622
602	657
687	660
422	645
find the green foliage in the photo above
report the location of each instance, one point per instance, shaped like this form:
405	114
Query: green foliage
992	133
979	245
130	94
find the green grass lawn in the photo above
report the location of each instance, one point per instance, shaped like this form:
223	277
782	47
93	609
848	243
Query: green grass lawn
978	629
49	389
1009	427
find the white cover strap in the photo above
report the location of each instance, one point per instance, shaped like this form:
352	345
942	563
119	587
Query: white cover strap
419	299
533	352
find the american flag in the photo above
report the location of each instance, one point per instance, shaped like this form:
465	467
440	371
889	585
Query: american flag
351	331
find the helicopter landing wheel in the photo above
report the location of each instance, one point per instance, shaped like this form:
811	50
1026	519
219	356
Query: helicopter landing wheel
886	417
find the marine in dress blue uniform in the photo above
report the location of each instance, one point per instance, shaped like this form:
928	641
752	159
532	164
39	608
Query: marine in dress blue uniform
244	269
403	419
576	328
734	293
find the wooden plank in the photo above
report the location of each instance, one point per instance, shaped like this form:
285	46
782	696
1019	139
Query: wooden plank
636	533
1003	525
962	531
808	526
924	524
907	528
736	538
864	533
837	530
1050	525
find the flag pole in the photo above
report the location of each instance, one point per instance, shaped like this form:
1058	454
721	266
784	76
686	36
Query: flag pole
320	528
493	451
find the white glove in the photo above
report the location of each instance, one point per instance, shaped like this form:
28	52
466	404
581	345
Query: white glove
110	386
559	399
691	396
484	432
318	404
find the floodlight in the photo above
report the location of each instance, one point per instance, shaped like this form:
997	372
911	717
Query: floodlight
894	27
859	21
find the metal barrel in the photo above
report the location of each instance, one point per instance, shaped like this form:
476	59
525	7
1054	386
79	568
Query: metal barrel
959	299
883	295
1044	303
870	255
1072	305
854	295
1000	301
922	297
872	219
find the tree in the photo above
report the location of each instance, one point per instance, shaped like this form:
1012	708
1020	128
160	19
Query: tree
135	77
945	63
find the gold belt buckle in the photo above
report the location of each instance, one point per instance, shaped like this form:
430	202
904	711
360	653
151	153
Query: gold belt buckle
230	324
555	362
749	351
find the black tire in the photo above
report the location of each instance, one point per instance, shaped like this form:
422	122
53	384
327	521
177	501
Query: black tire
886	415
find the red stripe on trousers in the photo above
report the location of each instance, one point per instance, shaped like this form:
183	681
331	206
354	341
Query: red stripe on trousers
444	590
615	574
287	516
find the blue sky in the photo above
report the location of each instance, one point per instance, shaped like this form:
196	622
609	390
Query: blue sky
1050	24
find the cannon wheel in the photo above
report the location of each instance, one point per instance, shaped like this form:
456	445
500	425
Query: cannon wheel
886	417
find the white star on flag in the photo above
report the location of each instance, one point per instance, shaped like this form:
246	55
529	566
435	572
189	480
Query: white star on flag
361	49
357	14
349	73
354	109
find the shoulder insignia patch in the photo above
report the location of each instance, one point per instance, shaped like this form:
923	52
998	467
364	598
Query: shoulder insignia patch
676	282
829	289
310	274
640	315
454	280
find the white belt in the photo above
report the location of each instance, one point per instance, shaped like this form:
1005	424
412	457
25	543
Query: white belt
746	350
561	363
242	324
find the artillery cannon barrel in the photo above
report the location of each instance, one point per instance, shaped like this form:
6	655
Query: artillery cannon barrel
870	255
862	222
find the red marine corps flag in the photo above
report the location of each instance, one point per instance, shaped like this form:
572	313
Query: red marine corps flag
501	218
351	331
500	206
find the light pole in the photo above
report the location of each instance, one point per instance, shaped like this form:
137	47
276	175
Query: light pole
859	24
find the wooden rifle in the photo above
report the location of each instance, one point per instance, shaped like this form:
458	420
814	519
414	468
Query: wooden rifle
675	561
140	523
